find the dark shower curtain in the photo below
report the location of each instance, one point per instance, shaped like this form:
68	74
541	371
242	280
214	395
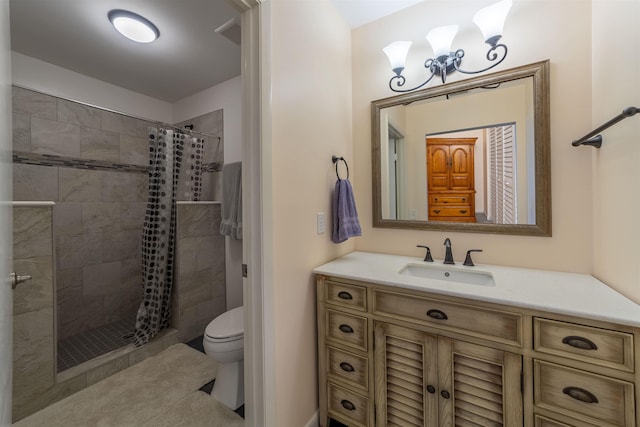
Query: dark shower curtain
166	152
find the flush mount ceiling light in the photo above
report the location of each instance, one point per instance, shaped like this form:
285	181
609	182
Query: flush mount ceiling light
491	22
133	26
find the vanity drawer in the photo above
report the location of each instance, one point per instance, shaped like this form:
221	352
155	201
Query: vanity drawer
582	395
467	319
593	345
442	211
346	295
438	199
347	329
348	367
348	404
541	421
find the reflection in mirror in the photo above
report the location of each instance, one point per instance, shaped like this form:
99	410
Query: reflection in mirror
468	156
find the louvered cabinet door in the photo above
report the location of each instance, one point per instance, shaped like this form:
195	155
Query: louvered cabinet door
405	377
478	385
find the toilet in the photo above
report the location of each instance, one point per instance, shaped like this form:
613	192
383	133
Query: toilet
223	340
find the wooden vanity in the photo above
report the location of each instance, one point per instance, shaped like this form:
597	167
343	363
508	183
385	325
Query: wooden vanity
398	354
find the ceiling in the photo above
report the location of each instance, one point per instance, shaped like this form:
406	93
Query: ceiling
188	57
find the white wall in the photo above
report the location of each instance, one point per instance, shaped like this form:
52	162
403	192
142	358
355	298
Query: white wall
41	76
225	96
310	63
616	204
566	41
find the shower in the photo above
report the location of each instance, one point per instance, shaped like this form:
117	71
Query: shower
94	165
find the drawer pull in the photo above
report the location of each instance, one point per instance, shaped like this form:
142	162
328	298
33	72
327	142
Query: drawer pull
445	394
580	342
437	314
347	367
346	329
348	405
344	295
431	389
437	211
463	211
580	394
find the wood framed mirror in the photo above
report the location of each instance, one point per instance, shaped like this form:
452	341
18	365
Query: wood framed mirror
471	156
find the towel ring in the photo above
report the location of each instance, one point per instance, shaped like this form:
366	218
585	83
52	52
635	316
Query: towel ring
335	159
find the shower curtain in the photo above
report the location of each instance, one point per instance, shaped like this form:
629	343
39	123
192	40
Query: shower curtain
168	151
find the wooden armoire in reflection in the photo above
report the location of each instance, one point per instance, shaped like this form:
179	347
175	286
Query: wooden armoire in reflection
450	182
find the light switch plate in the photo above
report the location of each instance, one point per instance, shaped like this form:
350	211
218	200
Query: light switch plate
320	222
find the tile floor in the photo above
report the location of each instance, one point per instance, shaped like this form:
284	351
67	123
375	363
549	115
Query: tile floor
93	343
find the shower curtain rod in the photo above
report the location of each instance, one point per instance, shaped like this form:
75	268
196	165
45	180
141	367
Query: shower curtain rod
119	112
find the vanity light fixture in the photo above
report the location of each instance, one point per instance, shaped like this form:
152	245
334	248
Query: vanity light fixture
133	26
491	22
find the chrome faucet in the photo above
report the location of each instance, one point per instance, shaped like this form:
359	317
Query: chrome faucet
448	257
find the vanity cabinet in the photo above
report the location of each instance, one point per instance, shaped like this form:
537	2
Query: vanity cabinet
390	356
429	380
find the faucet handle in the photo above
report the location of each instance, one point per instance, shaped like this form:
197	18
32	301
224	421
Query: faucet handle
427	256
468	261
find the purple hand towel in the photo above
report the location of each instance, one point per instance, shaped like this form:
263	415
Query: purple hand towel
345	215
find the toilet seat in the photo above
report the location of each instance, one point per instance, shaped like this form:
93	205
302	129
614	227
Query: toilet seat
229	326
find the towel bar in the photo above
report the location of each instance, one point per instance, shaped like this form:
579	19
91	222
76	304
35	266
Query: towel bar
596	141
335	160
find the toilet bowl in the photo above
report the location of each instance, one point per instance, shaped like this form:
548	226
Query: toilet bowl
223	340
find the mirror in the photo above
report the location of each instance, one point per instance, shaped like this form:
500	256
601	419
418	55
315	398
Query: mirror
471	155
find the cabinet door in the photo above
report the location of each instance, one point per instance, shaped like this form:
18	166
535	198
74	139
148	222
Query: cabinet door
461	167
478	385
438	168
405	377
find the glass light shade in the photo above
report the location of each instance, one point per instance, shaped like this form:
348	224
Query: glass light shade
441	39
133	26
491	19
397	54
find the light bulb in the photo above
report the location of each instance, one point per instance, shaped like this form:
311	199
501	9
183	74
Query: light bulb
397	54
441	39
133	26
491	19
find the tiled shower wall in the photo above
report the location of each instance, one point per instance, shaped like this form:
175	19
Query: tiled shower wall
33	306
93	164
200	285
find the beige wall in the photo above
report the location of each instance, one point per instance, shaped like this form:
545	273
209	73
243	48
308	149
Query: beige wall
311	121
566	41
616	176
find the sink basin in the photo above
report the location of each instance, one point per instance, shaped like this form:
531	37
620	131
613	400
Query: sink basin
448	274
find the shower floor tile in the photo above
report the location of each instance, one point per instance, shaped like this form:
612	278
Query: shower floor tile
87	345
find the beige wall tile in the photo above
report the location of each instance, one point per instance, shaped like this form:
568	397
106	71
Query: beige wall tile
23	407
67	218
79	185
33	352
79	250
118	123
36	293
101	217
121	245
78	114
134	151
32	232
107	369
21	132
147	350
32	183
51	137
124	187
32	103
100	279
99	145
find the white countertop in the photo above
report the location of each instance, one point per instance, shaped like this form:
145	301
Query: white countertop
557	292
